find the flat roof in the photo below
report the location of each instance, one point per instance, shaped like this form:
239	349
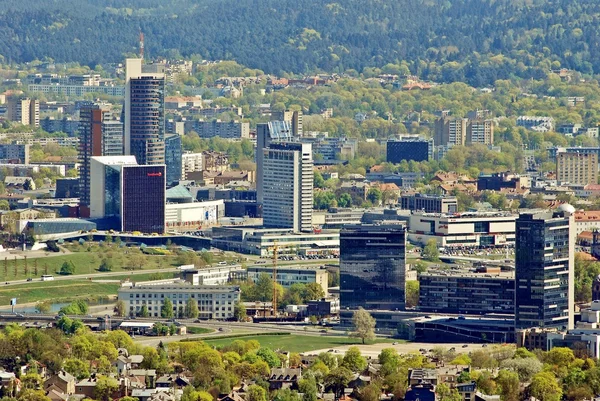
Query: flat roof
146	325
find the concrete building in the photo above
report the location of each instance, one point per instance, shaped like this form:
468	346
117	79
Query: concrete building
576	168
190	162
274	131
194	215
144	111
471	229
372	267
480	131
14	153
255	241
294	118
213	275
429	203
222	129
409	148
544	266
325	148
586	221
173	158
23	110
286	275
287	186
536	123
498	181
100	134
214	302
450	131
467	293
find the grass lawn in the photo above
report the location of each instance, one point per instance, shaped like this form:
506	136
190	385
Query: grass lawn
199	330
295	343
86	262
55	291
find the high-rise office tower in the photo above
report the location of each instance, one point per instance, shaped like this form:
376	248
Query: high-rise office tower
372	266
173	156
274	131
544	269
287	179
292	117
144	112
100	134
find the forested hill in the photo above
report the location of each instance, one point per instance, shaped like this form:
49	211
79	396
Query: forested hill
473	40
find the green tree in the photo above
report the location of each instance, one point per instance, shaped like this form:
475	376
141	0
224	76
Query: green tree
338	379
77	368
354	360
120	308
239	311
269	356
545	387
412	294
67	268
509	385
256	393
144	311
191	309
106	265
446	393
431	251
105	387
319	182
166	311
43	307
374	196
364	325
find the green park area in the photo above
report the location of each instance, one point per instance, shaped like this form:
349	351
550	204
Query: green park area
295	343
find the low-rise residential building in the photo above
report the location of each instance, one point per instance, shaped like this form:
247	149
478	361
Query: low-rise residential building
356	189
471	229
587	221
214	302
286	276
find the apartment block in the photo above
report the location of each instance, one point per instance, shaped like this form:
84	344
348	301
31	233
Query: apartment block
577	168
480	131
25	111
450	131
14	153
222	129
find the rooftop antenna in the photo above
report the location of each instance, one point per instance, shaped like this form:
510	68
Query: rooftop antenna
141	44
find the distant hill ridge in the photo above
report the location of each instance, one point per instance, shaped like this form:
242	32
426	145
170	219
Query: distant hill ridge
477	41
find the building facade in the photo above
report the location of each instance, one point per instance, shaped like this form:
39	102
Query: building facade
222	129
144	110
544	269
22	110
214	302
409	148
287	276
273	131
287	186
469	293
450	131
14	153
429	203
294	118
372	267
100	134
480	131
143	198
577	168
173	158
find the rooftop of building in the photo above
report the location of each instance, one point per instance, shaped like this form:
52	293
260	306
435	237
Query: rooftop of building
590	215
467	215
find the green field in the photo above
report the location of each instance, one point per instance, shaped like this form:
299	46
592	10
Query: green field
55	291
295	343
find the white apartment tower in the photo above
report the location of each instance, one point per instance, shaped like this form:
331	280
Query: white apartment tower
287	183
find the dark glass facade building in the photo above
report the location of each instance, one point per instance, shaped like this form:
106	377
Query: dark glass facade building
372	267
143	198
417	149
147	114
544	264
173	151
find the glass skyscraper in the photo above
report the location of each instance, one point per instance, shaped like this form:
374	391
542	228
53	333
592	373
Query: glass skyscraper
372	267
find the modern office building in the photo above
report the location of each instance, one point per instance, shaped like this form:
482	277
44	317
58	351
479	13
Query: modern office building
450	131
214	301
287	186
193	215
14	153
544	269
429	203
471	229
287	276
143	198
273	131
133	195
577	168
294	118
497	181
23	110
480	131
144	112
100	134
409	148
325	148
222	129
173	158
467	292
214	275
372	267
